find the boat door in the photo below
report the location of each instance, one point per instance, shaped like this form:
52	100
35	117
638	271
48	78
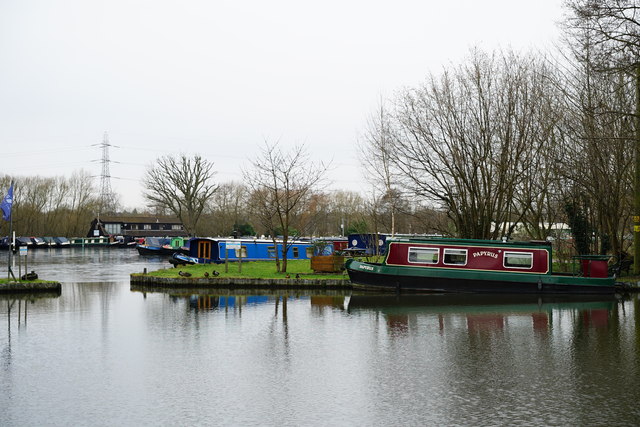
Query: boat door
204	249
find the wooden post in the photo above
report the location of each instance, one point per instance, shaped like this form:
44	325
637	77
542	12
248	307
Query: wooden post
226	259
240	260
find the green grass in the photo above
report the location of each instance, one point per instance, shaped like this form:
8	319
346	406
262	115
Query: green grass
254	269
4	281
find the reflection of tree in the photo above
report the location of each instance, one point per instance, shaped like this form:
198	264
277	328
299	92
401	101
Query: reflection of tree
320	302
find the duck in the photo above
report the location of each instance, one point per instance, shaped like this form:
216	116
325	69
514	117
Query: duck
287	276
297	276
206	274
215	273
184	273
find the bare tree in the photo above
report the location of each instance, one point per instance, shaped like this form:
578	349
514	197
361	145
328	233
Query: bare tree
282	184
605	37
82	203
376	149
612	28
467	139
229	206
182	184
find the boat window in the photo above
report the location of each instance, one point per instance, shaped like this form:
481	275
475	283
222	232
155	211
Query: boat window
424	255
271	251
455	256
295	252
518	259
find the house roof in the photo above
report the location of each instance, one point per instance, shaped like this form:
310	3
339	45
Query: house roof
140	219
154	233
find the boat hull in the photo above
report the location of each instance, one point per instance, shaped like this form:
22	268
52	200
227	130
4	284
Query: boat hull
380	277
155	250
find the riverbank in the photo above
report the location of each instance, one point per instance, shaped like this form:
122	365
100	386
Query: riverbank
29	287
629	283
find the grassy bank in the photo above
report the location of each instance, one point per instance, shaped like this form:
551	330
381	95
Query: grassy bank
5	281
254	269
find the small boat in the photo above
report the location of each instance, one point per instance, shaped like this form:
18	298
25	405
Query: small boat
61	242
158	246
38	242
182	259
24	241
480	266
122	242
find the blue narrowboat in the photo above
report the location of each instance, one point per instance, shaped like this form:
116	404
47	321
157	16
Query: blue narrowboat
206	250
367	244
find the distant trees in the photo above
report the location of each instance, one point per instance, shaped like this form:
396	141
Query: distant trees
228	210
56	206
184	185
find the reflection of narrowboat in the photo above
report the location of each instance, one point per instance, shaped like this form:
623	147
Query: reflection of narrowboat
434	303
482	312
458	265
205	250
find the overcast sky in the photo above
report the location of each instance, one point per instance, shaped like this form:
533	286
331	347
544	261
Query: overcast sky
219	78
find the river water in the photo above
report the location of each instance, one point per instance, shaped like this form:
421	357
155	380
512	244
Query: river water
104	353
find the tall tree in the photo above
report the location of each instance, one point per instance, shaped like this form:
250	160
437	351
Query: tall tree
376	150
183	184
467	139
282	184
610	29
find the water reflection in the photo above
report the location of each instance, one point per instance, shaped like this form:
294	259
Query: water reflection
483	314
233	357
540	361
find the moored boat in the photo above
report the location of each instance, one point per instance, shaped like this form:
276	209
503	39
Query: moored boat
61	242
205	250
155	246
23	241
460	265
38	242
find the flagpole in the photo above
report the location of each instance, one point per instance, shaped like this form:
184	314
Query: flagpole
11	243
9	272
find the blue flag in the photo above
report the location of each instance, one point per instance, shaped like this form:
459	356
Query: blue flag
6	204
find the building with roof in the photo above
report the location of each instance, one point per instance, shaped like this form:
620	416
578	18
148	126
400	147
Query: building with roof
137	226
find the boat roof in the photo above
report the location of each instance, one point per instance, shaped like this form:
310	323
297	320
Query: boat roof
468	242
249	240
